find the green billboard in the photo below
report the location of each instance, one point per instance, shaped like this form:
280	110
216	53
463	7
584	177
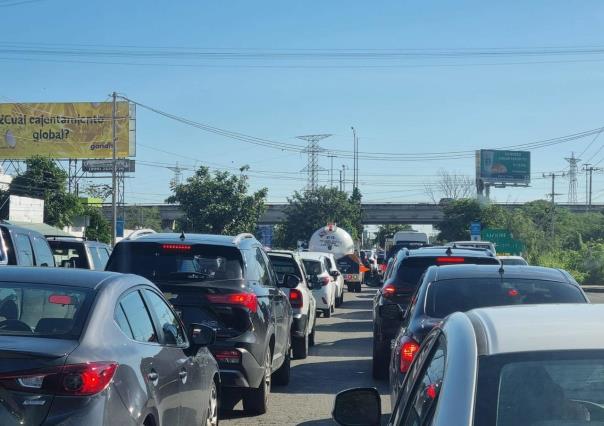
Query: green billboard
511	167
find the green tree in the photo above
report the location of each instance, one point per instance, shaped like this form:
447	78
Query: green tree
46	180
458	215
218	203
357	212
139	217
99	228
388	231
309	210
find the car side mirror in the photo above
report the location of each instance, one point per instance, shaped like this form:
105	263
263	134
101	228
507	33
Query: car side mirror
358	406
334	274
291	281
202	335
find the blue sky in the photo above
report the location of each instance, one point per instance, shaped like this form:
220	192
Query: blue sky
417	105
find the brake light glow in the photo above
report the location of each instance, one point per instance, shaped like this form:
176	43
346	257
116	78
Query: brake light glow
389	290
58	299
72	380
408	350
513	292
450	260
295	298
247	300
431	391
227	356
176	247
325	281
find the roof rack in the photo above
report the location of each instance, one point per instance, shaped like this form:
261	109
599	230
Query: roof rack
243	235
65	236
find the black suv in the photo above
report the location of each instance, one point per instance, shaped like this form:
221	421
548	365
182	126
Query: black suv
402	279
225	283
460	288
76	252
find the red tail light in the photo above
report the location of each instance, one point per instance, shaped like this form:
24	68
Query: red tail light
227	356
408	350
389	290
450	260
295	298
176	247
72	380
247	300
325	281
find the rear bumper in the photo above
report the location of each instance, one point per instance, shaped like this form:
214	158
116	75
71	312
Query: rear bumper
299	324
248	373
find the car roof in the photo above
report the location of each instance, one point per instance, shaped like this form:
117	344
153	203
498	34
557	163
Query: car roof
312	255
448	251
510	257
210	239
74	240
449	272
60	276
532	328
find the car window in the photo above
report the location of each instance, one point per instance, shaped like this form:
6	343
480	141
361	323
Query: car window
122	321
171	327
69	253
283	265
313	267
265	274
94	255
42	251
104	258
423	400
138	317
24	249
448	296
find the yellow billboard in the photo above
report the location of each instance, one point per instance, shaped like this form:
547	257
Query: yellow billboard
64	130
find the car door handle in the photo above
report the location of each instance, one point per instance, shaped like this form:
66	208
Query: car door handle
153	376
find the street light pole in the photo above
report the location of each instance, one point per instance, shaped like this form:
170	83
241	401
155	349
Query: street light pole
114	171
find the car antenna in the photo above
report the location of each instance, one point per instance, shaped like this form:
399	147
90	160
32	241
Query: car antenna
182	236
449	252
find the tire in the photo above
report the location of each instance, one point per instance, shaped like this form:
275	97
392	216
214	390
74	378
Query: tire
342	298
255	401
212	414
281	376
327	313
358	288
333	308
311	337
300	347
380	360
350	289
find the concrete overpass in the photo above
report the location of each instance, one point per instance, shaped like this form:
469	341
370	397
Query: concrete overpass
373	213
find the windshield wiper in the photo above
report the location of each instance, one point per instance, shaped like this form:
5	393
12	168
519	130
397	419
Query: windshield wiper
192	275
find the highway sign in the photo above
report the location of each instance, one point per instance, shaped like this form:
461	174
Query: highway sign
503	240
106	166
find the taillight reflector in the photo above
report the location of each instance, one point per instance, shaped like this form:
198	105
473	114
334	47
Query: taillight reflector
72	380
228	356
247	300
408	350
325	281
450	260
295	298
389	290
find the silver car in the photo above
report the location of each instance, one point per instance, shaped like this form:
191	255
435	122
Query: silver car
540	365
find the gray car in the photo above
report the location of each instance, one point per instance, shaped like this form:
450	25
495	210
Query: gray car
533	365
99	348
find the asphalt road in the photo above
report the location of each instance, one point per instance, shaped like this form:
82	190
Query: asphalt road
340	359
596	297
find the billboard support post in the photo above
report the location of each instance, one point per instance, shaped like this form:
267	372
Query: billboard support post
114	172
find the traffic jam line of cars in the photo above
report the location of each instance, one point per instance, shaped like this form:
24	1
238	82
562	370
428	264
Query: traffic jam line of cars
177	326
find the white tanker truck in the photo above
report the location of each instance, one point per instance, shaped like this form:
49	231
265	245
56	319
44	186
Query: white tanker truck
331	239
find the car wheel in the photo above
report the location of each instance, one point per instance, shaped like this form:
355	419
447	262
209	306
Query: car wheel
281	376
342	298
333	308
212	416
311	337
300	347
380	361
327	313
256	400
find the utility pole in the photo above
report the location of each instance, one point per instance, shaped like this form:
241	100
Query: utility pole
589	170
343	178
355	174
553	194
114	170
331	157
341	182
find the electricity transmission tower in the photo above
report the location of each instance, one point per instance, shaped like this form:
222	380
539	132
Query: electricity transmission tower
572	178
177	175
312	166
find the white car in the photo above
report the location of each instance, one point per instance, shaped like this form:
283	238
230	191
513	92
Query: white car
324	286
304	306
338	278
512	260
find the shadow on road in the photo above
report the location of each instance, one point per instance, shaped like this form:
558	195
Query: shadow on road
320	378
330	422
346	327
354	315
355	305
356	347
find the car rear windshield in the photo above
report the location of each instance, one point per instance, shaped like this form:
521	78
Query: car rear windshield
284	265
69	254
546	388
177	261
411	269
313	267
448	296
40	310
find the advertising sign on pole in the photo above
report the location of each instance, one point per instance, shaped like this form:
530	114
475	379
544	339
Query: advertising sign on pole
65	130
106	166
504	167
475	228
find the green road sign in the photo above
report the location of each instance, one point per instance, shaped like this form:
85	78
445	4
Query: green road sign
503	240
